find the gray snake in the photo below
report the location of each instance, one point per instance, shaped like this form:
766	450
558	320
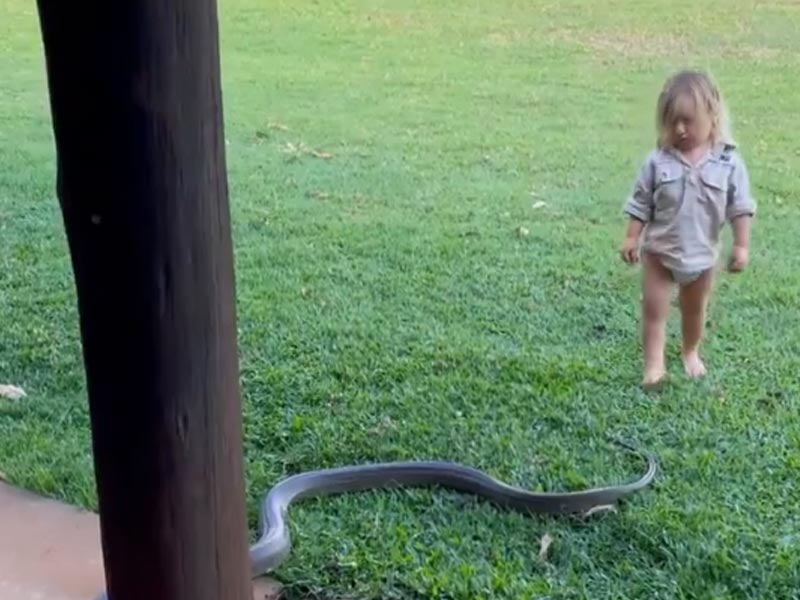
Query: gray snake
275	543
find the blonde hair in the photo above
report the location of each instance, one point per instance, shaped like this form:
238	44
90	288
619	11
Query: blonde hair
699	86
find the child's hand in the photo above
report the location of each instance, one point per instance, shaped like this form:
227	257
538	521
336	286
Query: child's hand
740	256
628	251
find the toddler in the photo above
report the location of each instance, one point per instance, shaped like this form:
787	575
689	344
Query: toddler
688	188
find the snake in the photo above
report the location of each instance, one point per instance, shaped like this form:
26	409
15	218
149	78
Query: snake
274	545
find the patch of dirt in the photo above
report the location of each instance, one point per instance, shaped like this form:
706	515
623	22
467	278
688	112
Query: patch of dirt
625	44
753	53
643	44
508	37
399	20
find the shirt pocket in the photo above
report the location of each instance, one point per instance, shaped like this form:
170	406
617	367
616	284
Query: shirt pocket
668	189
714	190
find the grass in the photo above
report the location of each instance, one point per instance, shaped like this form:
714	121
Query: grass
388	310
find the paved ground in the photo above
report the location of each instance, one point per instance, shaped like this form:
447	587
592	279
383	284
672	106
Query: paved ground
51	551
48	550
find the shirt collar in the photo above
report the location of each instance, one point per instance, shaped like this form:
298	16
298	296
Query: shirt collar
717	152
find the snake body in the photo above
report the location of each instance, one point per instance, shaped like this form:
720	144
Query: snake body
274	545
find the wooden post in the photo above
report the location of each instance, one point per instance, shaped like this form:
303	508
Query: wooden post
136	105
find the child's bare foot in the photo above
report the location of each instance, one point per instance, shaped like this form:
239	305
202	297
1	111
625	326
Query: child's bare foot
693	366
693	299
653	376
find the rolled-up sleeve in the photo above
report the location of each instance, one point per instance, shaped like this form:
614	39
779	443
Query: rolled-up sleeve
639	204
740	199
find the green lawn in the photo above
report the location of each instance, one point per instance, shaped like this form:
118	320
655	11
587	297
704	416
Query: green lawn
389	310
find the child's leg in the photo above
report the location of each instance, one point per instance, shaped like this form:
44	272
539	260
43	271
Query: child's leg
657	287
693	302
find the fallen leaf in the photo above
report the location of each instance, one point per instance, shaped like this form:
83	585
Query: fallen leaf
539	204
386	424
291	148
321	154
522	231
544	546
600	508
11	392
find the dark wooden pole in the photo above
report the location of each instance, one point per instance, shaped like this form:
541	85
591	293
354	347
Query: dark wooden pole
136	107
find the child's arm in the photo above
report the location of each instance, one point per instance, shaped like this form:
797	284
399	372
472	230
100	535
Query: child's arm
740	211
639	208
630	244
741	231
740	253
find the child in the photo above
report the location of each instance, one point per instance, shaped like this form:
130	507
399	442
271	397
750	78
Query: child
689	186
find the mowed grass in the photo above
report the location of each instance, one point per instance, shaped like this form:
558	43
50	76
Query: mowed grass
382	156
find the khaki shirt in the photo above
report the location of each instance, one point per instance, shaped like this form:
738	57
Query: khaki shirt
685	207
